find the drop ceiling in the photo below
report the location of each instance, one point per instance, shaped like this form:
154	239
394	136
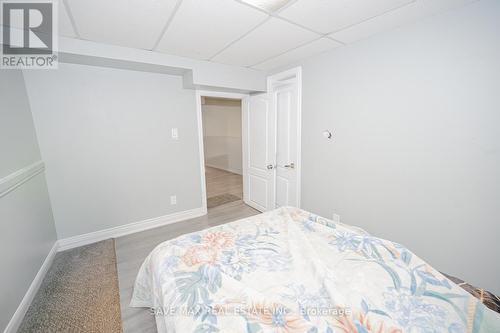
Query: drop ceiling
260	34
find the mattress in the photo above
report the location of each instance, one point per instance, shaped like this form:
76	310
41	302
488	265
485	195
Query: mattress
292	271
486	297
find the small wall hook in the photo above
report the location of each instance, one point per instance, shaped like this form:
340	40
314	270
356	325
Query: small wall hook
327	134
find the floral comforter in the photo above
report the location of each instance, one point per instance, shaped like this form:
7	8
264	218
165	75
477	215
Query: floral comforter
292	271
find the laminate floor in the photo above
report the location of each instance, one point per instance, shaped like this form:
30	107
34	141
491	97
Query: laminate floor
220	182
131	251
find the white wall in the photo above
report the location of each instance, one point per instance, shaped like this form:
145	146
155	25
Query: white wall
105	135
222	134
27	231
415	156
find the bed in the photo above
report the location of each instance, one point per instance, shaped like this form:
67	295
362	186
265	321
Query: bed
292	271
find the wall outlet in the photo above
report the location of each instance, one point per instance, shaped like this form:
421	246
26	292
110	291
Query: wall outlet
175	134
336	218
173	200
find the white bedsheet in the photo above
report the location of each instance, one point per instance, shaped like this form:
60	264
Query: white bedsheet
292	271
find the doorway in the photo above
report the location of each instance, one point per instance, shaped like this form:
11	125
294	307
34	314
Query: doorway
270	133
220	115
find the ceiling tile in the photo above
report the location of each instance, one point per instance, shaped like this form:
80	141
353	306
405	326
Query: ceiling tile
270	39
65	26
396	18
202	28
327	16
267	5
305	51
132	23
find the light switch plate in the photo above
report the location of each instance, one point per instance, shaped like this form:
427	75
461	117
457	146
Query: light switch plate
175	134
173	200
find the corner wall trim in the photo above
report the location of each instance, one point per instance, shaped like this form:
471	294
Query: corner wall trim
21	310
19	177
96	236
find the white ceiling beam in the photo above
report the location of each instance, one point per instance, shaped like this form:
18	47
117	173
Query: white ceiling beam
201	73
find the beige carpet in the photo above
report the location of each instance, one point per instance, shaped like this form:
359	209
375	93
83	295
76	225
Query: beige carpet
79	293
222	199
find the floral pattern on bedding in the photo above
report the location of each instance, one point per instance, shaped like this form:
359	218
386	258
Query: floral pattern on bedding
292	271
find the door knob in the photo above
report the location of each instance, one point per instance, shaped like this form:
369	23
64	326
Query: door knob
270	167
290	166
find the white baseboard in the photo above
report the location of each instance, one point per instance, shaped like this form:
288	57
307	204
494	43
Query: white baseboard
80	240
236	171
18	316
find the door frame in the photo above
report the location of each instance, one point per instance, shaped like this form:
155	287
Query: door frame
201	145
293	75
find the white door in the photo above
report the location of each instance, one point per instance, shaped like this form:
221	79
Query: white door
271	143
259	152
286	105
